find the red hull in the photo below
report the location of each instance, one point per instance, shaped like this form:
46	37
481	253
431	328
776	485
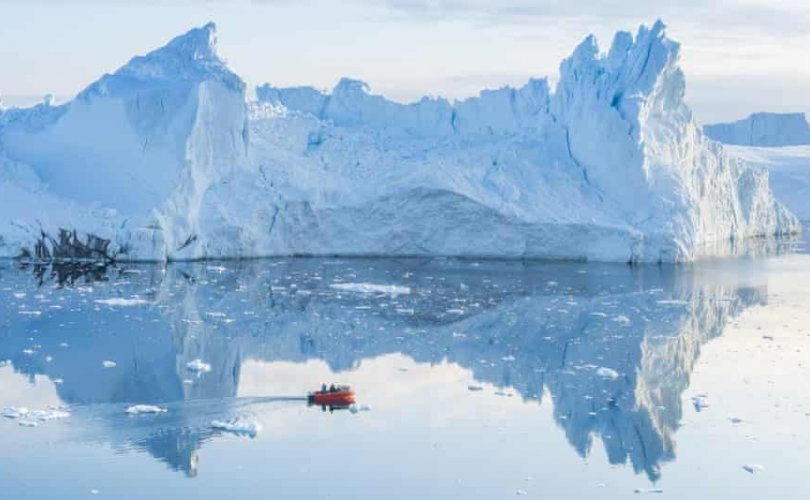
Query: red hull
339	398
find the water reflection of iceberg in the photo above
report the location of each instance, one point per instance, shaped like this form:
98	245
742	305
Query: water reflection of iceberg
612	346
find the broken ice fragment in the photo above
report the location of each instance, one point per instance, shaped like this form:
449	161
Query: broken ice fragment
141	409
198	366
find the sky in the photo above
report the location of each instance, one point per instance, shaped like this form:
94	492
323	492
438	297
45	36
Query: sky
739	56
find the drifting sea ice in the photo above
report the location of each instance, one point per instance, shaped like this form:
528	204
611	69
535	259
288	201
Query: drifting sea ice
121	302
607	373
237	425
372	288
753	468
145	409
198	366
14	412
109	364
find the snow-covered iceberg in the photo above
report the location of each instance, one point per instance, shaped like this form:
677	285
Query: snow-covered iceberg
165	159
763	129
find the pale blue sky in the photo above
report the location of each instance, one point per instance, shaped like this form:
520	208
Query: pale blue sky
739	55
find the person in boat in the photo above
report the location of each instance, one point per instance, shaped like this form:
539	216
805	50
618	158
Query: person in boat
323	387
332	388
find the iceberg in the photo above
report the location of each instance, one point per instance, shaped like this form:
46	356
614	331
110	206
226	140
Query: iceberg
764	130
788	173
165	159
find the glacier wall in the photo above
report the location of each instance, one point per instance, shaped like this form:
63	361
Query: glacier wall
166	160
763	130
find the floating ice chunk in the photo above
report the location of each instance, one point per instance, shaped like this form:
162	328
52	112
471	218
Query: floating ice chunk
109	364
121	302
372	288
58	381
622	319
28	351
141	409
14	412
19	295
672	302
521	493
735	420
198	366
217	269
28	423
238	425
358	408
753	468
27	312
63	345
605	372
45	415
648	490
700	402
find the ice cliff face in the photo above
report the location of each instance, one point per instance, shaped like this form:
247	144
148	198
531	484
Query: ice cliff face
763	129
166	160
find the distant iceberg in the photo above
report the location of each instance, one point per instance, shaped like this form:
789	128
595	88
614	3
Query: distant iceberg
166	160
764	130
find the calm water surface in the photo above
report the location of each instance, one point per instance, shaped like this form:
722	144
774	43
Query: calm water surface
473	379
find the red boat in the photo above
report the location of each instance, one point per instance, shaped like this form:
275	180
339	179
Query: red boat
340	396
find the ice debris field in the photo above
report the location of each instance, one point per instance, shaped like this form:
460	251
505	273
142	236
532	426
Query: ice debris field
166	159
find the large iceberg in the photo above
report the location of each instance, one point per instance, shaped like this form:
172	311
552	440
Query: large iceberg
763	129
165	159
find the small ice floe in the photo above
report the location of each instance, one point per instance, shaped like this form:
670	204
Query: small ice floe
599	314
521	493
28	423
216	314
735	420
606	372
45	415
700	402
121	302
217	269
455	311
64	345
5	362
672	302
237	425
14	412
508	358
19	295
109	364
474	388
145	409
644	491
58	381
28	312
753	468
372	288
622	319
28	352
355	408
198	366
